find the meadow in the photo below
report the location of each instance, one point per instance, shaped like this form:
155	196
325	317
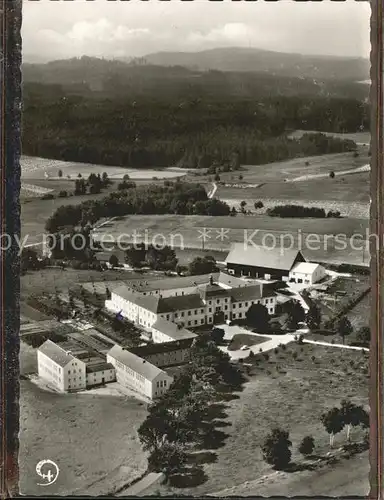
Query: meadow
283	392
93	439
33	167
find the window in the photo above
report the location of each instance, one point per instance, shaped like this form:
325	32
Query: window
202	321
225	308
202	311
189	323
167	316
195	321
218	301
246	304
196	311
210	302
175	315
69	371
182	314
240	314
210	309
234	306
233	316
189	313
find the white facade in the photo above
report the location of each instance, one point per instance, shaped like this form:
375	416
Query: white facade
306	273
137	374
70	376
101	377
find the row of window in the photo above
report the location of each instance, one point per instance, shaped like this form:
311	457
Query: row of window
161	383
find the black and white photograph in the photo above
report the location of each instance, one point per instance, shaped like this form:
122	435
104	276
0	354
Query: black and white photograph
195	286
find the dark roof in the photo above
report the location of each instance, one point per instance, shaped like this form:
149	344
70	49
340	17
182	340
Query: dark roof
257	256
172	329
97	364
180	303
214	290
252	292
137	364
56	353
149	349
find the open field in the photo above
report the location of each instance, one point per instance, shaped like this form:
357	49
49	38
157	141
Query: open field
189	231
349	194
346	478
92	438
292	398
360	138
35	168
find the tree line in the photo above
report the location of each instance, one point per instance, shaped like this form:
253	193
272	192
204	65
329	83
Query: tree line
170	198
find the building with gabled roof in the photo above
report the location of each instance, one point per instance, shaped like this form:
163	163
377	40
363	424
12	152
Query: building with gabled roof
168	331
138	374
210	302
262	262
306	273
68	366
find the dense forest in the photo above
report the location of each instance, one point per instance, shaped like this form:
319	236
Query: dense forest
190	132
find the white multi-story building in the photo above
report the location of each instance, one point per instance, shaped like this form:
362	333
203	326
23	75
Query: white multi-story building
138	374
60	368
227	298
69	367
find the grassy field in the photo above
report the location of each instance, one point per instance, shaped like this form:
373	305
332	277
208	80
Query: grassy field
188	232
292	398
92	438
35	168
349	194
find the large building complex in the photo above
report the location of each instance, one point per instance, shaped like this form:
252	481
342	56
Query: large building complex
189	302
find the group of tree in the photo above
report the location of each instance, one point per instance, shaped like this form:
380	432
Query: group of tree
276	448
178	420
94	184
296	211
348	415
158	258
257	317
202	265
295	313
173	198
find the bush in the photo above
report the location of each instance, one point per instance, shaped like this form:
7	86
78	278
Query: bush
332	174
307	446
48	196
296	211
63	194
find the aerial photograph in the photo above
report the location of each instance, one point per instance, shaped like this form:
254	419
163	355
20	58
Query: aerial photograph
195	283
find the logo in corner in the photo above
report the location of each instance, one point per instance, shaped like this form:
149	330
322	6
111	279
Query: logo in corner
47	470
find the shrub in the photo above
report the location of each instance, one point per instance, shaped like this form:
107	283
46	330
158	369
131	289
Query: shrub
63	194
48	196
332	174
307	446
313	358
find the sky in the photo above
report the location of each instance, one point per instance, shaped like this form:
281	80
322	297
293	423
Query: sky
114	29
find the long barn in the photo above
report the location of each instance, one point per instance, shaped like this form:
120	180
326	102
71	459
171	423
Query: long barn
261	262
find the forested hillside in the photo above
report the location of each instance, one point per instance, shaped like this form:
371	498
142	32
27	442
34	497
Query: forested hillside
191	132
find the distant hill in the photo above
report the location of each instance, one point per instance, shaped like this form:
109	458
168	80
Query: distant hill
140	77
278	63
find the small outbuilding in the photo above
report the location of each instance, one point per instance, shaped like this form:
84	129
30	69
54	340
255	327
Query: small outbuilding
307	273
